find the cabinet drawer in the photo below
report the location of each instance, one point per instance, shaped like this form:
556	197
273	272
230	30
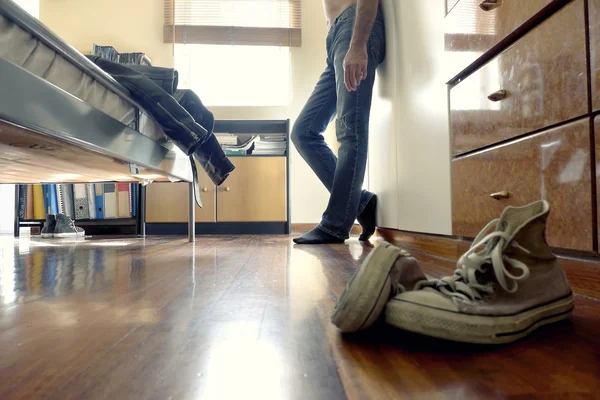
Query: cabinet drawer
254	192
471	31
594	15
538	82
553	165
168	202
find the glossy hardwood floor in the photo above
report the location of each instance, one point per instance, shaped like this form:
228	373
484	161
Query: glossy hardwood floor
245	317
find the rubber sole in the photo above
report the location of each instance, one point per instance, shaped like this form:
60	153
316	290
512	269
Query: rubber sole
47	235
468	328
68	235
368	291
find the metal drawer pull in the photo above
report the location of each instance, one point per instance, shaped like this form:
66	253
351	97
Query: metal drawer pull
500	195
489	5
227	189
205	189
498	95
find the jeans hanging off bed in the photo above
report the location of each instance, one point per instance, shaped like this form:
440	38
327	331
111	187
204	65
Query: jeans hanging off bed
180	113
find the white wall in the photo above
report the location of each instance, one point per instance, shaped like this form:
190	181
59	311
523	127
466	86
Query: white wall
308	196
31	6
7	205
132	25
410	146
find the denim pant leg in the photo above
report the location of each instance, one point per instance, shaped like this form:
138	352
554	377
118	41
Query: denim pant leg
352	132
307	133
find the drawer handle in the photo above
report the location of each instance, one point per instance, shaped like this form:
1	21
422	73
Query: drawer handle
500	195
498	95
227	189
205	189
489	5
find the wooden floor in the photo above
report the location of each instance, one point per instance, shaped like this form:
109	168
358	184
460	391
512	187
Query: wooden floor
245	318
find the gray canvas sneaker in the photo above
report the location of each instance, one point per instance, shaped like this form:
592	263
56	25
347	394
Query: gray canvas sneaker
65	228
505	286
49	226
386	271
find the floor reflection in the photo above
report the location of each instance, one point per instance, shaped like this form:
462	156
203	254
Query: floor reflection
235	317
32	268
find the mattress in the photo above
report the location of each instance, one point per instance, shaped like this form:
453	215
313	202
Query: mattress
23	49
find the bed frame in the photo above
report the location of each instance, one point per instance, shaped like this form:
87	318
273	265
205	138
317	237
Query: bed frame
50	136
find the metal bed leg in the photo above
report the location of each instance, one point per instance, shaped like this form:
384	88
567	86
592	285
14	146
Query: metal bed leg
142	210
191	214
17	223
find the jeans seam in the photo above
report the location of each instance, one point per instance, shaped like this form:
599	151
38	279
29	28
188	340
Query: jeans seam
330	232
356	117
310	141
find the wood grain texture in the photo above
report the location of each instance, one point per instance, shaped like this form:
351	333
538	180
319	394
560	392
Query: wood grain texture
441	252
597	145
594	25
254	192
545	78
471	32
554	165
29	157
167	202
244	317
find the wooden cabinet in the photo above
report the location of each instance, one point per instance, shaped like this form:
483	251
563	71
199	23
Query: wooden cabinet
253	199
553	165
475	28
254	192
533	140
594	26
539	81
167	202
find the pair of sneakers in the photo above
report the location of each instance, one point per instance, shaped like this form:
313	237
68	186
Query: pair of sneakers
505	286
61	226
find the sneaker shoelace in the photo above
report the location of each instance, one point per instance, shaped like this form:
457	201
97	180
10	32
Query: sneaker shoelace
75	228
463	283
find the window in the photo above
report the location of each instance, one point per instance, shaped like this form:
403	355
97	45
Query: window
234	52
236	76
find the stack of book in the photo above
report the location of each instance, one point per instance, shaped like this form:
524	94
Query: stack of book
241	146
270	145
78	201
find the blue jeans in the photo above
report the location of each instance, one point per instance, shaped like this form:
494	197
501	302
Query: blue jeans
343	177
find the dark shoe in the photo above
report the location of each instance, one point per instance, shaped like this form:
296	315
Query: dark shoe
368	219
317	236
49	226
65	228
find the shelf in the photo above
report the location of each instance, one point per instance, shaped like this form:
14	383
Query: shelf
256	156
108	221
257	127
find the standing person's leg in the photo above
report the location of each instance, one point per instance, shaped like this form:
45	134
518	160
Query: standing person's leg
353	110
307	133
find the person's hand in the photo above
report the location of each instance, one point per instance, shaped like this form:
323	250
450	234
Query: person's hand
355	67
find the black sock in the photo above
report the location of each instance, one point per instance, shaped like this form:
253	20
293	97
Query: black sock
317	236
368	219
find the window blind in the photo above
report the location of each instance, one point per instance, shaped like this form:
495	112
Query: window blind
234	22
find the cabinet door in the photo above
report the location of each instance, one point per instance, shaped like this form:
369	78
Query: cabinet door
168	202
254	192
